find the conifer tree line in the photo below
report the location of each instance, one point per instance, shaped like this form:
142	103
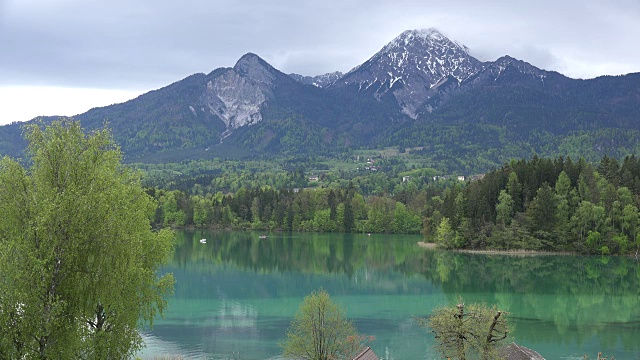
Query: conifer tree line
538	204
544	204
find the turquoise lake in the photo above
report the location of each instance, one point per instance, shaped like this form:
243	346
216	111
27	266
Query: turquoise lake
236	294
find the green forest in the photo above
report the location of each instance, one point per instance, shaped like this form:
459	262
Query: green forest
539	204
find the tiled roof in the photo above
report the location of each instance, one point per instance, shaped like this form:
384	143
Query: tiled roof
514	351
366	354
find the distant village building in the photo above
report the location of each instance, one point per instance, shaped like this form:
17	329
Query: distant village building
460	177
406	178
313	178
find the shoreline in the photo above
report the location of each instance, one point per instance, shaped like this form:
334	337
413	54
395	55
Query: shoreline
515	252
518	252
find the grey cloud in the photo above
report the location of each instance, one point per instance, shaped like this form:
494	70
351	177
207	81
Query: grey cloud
146	44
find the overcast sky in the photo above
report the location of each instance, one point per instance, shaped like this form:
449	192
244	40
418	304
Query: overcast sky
62	57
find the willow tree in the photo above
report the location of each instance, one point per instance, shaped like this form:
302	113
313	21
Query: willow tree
78	257
321	331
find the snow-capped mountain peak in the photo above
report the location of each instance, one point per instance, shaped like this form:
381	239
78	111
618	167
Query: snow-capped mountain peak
410	67
430	35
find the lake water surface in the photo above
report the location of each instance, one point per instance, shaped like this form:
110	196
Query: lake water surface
236	295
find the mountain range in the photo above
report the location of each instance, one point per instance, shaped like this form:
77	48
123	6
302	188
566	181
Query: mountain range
422	91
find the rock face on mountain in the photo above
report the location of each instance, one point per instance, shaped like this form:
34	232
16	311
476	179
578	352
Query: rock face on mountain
412	68
237	95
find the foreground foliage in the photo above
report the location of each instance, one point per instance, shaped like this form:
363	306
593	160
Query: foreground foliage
468	332
78	258
321	331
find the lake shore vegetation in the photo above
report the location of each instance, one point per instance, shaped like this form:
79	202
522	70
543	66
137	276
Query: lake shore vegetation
549	205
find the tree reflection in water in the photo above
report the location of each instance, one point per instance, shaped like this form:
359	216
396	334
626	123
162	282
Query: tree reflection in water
579	304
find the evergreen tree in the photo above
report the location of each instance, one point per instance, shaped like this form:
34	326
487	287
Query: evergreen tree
348	218
504	209
542	215
514	189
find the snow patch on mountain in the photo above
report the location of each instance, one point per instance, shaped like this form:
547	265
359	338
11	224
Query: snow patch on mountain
506	68
320	81
410	66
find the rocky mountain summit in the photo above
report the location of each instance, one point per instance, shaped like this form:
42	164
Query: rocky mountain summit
506	67
412	67
237	94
